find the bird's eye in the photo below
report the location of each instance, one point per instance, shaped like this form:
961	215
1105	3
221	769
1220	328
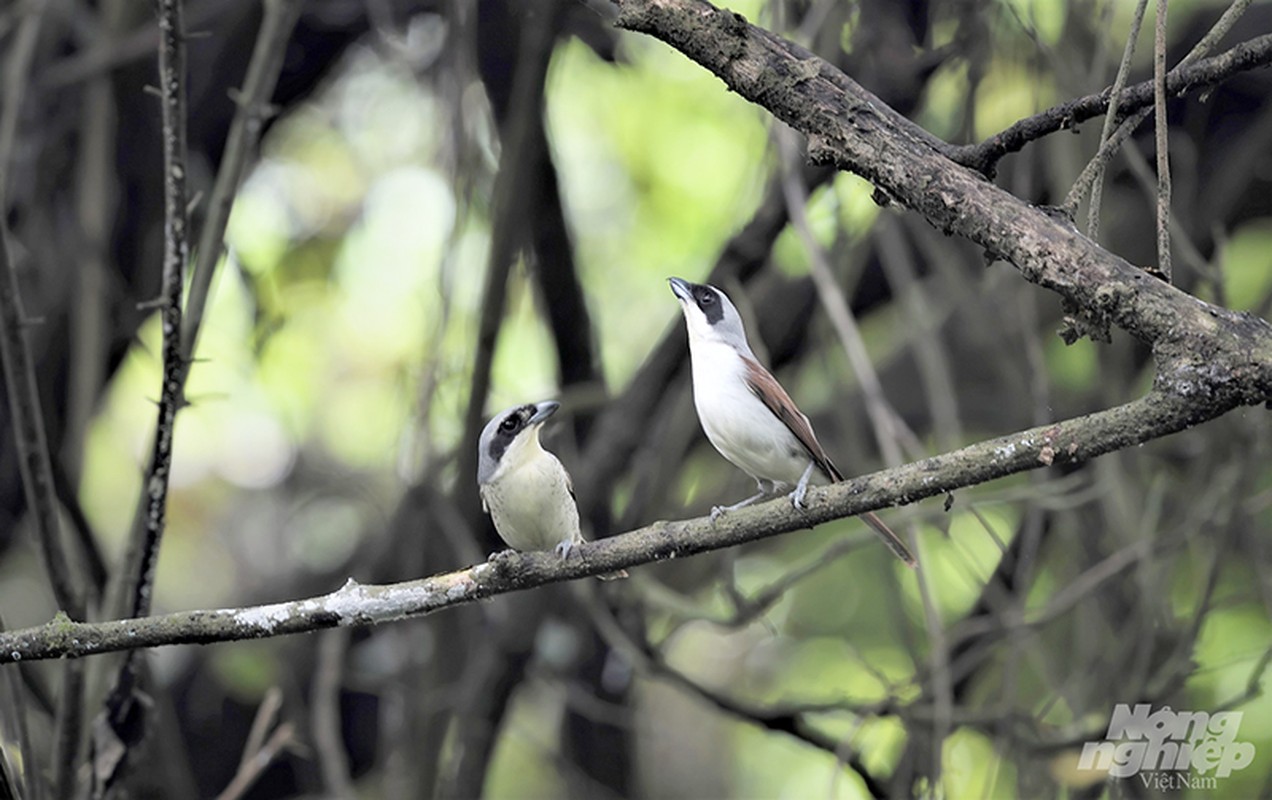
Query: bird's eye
508	425
706	299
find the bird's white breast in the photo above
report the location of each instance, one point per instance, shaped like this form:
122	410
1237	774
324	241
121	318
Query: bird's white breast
738	423
529	499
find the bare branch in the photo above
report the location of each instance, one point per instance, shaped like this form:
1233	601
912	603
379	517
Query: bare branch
1070	441
1110	118
144	549
1260	48
1184	78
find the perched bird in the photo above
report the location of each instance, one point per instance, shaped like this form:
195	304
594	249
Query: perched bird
746	413
524	488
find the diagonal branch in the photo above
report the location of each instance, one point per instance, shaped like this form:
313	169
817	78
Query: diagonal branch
1071	441
847	128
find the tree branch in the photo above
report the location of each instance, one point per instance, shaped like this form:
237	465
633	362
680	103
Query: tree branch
1071	441
984	156
847	128
144	550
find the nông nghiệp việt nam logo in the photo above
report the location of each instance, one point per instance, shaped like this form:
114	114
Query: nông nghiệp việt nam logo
1169	748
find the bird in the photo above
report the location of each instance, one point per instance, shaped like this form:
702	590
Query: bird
747	415
525	489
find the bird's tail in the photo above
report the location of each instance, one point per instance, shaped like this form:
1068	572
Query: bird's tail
889	538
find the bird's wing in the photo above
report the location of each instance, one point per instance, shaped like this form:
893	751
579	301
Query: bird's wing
765	386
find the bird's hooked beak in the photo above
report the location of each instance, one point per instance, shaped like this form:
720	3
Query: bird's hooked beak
681	288
542	411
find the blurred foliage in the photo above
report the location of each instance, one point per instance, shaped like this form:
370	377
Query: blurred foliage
335	363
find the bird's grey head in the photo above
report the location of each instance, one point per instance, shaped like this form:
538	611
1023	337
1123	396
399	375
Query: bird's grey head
709	314
505	428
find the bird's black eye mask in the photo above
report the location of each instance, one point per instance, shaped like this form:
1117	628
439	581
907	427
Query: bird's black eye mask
709	303
508	429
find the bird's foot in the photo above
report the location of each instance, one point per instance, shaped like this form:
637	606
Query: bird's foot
565	549
797	497
718	511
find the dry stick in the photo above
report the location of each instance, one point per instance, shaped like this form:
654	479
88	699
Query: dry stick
1190	253
1110	116
1161	136
324	715
245	132
34	460
259	752
1256	52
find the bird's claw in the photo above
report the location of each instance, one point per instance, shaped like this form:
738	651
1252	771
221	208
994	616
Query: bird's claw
565	549
716	513
797	498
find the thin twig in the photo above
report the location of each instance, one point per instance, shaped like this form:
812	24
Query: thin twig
283	737
123	711
985	155
176	253
324	714
1256	52
245	132
1183	243
34	460
266	714
1110	117
1161	138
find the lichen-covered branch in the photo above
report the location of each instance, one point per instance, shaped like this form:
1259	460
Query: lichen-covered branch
1063	442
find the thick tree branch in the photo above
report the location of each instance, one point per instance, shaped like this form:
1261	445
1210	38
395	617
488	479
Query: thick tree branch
1216	358
1070	441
